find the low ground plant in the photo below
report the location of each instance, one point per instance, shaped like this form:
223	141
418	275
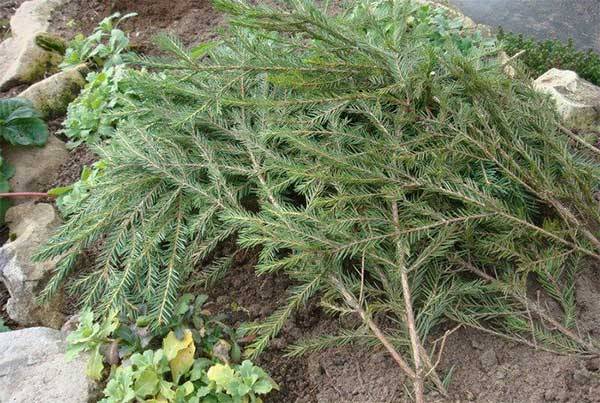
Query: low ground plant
88	117
393	173
541	56
195	358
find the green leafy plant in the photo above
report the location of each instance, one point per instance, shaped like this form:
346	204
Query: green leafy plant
389	171
176	372
91	336
20	124
69	197
88	119
162	375
3	327
103	48
541	56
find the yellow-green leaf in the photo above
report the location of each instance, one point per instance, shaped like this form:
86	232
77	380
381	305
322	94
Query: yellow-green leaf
183	362
147	383
180	353
172	345
95	364
221	375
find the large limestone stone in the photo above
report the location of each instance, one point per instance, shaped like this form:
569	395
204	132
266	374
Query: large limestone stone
33	369
35	167
30	226
21	59
52	96
577	100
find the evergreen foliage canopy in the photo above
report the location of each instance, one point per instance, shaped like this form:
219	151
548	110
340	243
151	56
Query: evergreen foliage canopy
389	169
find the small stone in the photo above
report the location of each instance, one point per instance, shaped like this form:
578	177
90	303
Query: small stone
581	377
221	350
593	364
469	396
477	345
339	361
265	311
488	360
70	325
278	343
254	310
222	300
562	396
550	395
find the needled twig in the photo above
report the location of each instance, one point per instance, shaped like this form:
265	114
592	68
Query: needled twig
579	140
535	308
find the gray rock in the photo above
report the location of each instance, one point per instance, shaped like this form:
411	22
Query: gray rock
52	95
33	369
577	100
30	226
21	59
35	167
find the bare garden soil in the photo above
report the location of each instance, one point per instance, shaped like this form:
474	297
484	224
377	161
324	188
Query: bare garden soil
485	368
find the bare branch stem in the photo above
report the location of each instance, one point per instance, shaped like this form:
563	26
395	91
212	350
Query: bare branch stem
410	318
25	194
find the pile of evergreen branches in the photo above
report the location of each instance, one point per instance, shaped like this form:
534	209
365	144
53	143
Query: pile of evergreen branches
389	169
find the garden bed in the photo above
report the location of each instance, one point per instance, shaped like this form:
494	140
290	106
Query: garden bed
485	368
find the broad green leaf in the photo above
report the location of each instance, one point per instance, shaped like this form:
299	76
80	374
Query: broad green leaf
59	191
166	390
25	131
184	359
237	387
8	106
183	391
6	169
172	345
119	387
264	386
95	364
221	375
147	383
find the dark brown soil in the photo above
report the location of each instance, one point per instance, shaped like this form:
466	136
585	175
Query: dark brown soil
70	171
343	374
191	20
